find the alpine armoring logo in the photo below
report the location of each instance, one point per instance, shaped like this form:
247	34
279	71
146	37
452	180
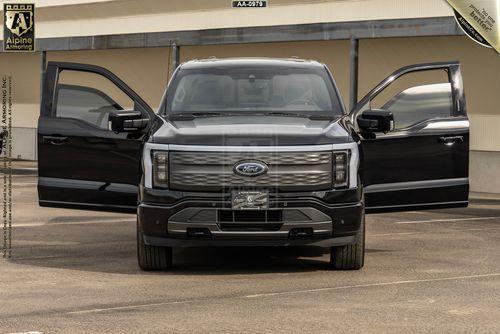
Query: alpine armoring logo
19	27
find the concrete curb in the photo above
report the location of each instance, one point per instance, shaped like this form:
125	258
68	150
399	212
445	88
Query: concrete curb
477	196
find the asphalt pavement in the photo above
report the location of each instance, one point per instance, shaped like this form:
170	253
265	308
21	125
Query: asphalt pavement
75	271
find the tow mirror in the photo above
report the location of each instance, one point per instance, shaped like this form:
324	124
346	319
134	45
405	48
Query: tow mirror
127	121
375	120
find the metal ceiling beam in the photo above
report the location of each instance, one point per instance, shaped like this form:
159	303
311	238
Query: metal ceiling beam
353	72
436	26
175	56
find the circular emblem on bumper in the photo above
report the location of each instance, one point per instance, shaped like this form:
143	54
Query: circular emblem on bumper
250	168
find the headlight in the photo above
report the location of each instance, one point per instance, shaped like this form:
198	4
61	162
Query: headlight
160	169
340	168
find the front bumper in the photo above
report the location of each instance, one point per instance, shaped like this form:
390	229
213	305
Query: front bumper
173	242
303	220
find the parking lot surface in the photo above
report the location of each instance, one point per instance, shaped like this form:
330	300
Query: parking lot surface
75	272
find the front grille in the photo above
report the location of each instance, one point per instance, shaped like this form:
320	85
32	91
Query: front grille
224	158
250	227
248	216
213	171
292	179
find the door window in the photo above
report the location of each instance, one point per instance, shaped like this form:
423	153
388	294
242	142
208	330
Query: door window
420	103
89	97
416	97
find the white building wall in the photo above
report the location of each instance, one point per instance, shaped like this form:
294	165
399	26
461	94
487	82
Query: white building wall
122	16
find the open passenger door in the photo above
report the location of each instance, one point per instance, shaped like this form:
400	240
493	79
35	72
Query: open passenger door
415	143
81	161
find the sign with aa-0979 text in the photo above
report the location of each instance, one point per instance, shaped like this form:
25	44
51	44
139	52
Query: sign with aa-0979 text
249	4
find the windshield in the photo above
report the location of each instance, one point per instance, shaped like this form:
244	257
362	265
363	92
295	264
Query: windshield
253	90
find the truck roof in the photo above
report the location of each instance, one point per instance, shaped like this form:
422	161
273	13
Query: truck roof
249	61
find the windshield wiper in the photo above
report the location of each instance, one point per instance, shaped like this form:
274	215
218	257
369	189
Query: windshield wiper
284	113
190	116
312	117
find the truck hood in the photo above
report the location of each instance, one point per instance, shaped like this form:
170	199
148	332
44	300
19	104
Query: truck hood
251	131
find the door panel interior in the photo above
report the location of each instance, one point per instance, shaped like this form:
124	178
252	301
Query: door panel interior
423	162
81	162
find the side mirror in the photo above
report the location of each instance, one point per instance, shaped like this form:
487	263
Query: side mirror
375	120
127	121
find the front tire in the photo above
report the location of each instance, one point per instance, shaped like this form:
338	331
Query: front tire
152	258
350	257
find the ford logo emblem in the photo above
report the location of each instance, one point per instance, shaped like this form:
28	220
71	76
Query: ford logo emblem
250	168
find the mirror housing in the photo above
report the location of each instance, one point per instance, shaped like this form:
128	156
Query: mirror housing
127	121
375	120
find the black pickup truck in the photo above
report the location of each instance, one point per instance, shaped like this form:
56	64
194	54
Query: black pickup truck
251	152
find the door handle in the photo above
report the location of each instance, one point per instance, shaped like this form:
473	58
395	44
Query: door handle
450	140
54	140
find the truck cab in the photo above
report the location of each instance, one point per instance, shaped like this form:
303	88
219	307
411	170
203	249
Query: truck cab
252	152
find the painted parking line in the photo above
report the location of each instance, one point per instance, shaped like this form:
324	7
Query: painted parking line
368	285
432	232
131	307
291	292
445	220
395	233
